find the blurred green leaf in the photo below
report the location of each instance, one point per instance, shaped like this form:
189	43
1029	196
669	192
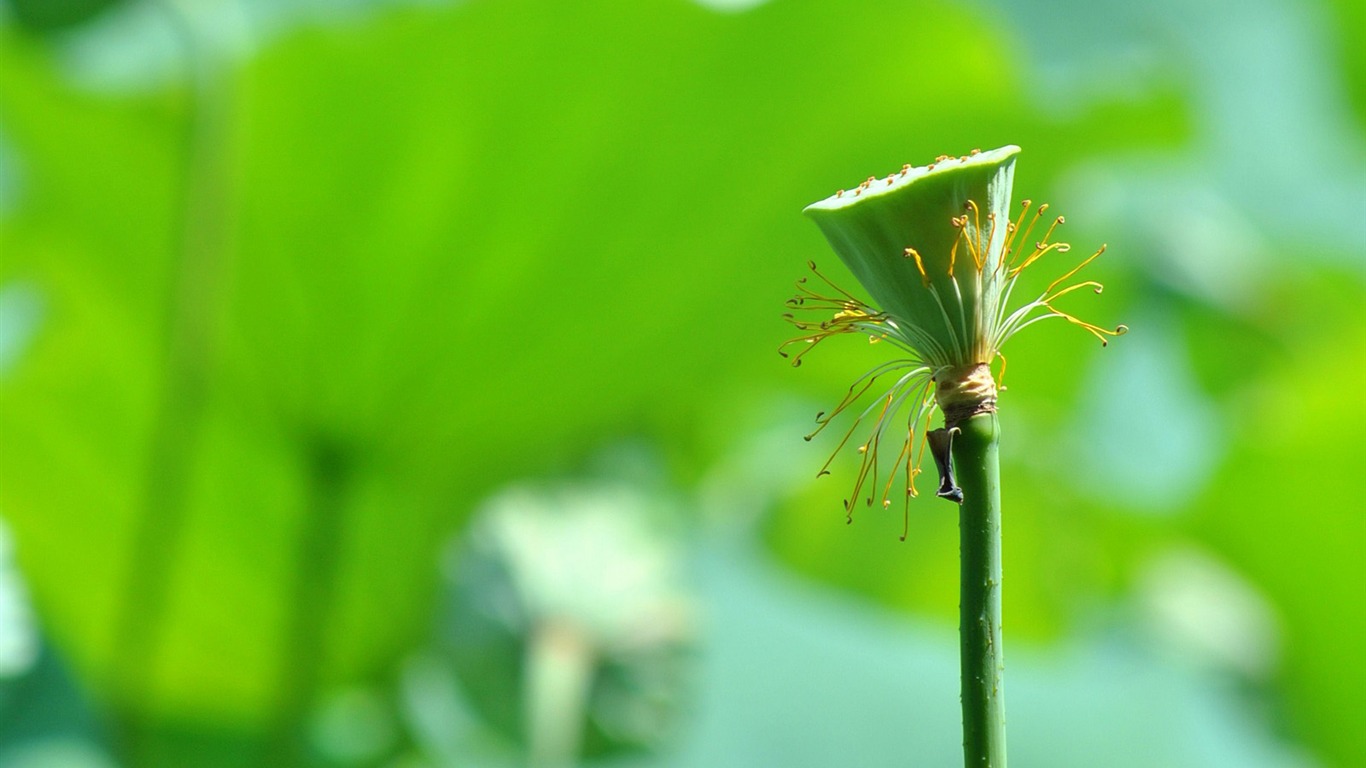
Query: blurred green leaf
55	15
1301	448
470	244
498	276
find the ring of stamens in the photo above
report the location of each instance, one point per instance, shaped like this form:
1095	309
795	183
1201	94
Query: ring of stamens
925	355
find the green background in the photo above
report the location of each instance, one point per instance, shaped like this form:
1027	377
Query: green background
288	289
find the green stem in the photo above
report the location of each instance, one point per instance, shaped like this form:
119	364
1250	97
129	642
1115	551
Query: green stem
976	460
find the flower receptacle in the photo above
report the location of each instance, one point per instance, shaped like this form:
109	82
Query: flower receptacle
936	228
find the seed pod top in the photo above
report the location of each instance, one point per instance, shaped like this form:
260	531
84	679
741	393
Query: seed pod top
927	244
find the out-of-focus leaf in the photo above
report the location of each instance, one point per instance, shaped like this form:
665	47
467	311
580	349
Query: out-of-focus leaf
468	244
1301	448
540	243
55	15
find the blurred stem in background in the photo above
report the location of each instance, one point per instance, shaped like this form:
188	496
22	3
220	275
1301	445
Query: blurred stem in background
312	600
196	272
569	621
559	678
981	655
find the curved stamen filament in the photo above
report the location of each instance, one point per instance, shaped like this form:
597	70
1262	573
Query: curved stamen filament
1093	329
904	453
1039	251
1024	238
991	237
975	241
1076	269
921	371
1076	287
1012	230
812	266
851	397
919	265
958	223
892	401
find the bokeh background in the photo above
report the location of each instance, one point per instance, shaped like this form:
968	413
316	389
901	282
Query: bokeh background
395	384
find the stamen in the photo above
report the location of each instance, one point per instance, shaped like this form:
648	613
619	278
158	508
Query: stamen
919	265
1094	330
1040	250
974	242
1056	223
891	476
1076	287
914	383
851	397
851	316
825	468
991	236
1012	231
827	329
807	299
927	405
1024	210
811	342
1024	238
1076	269
960	223
812	266
906	501
902	391
870	457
